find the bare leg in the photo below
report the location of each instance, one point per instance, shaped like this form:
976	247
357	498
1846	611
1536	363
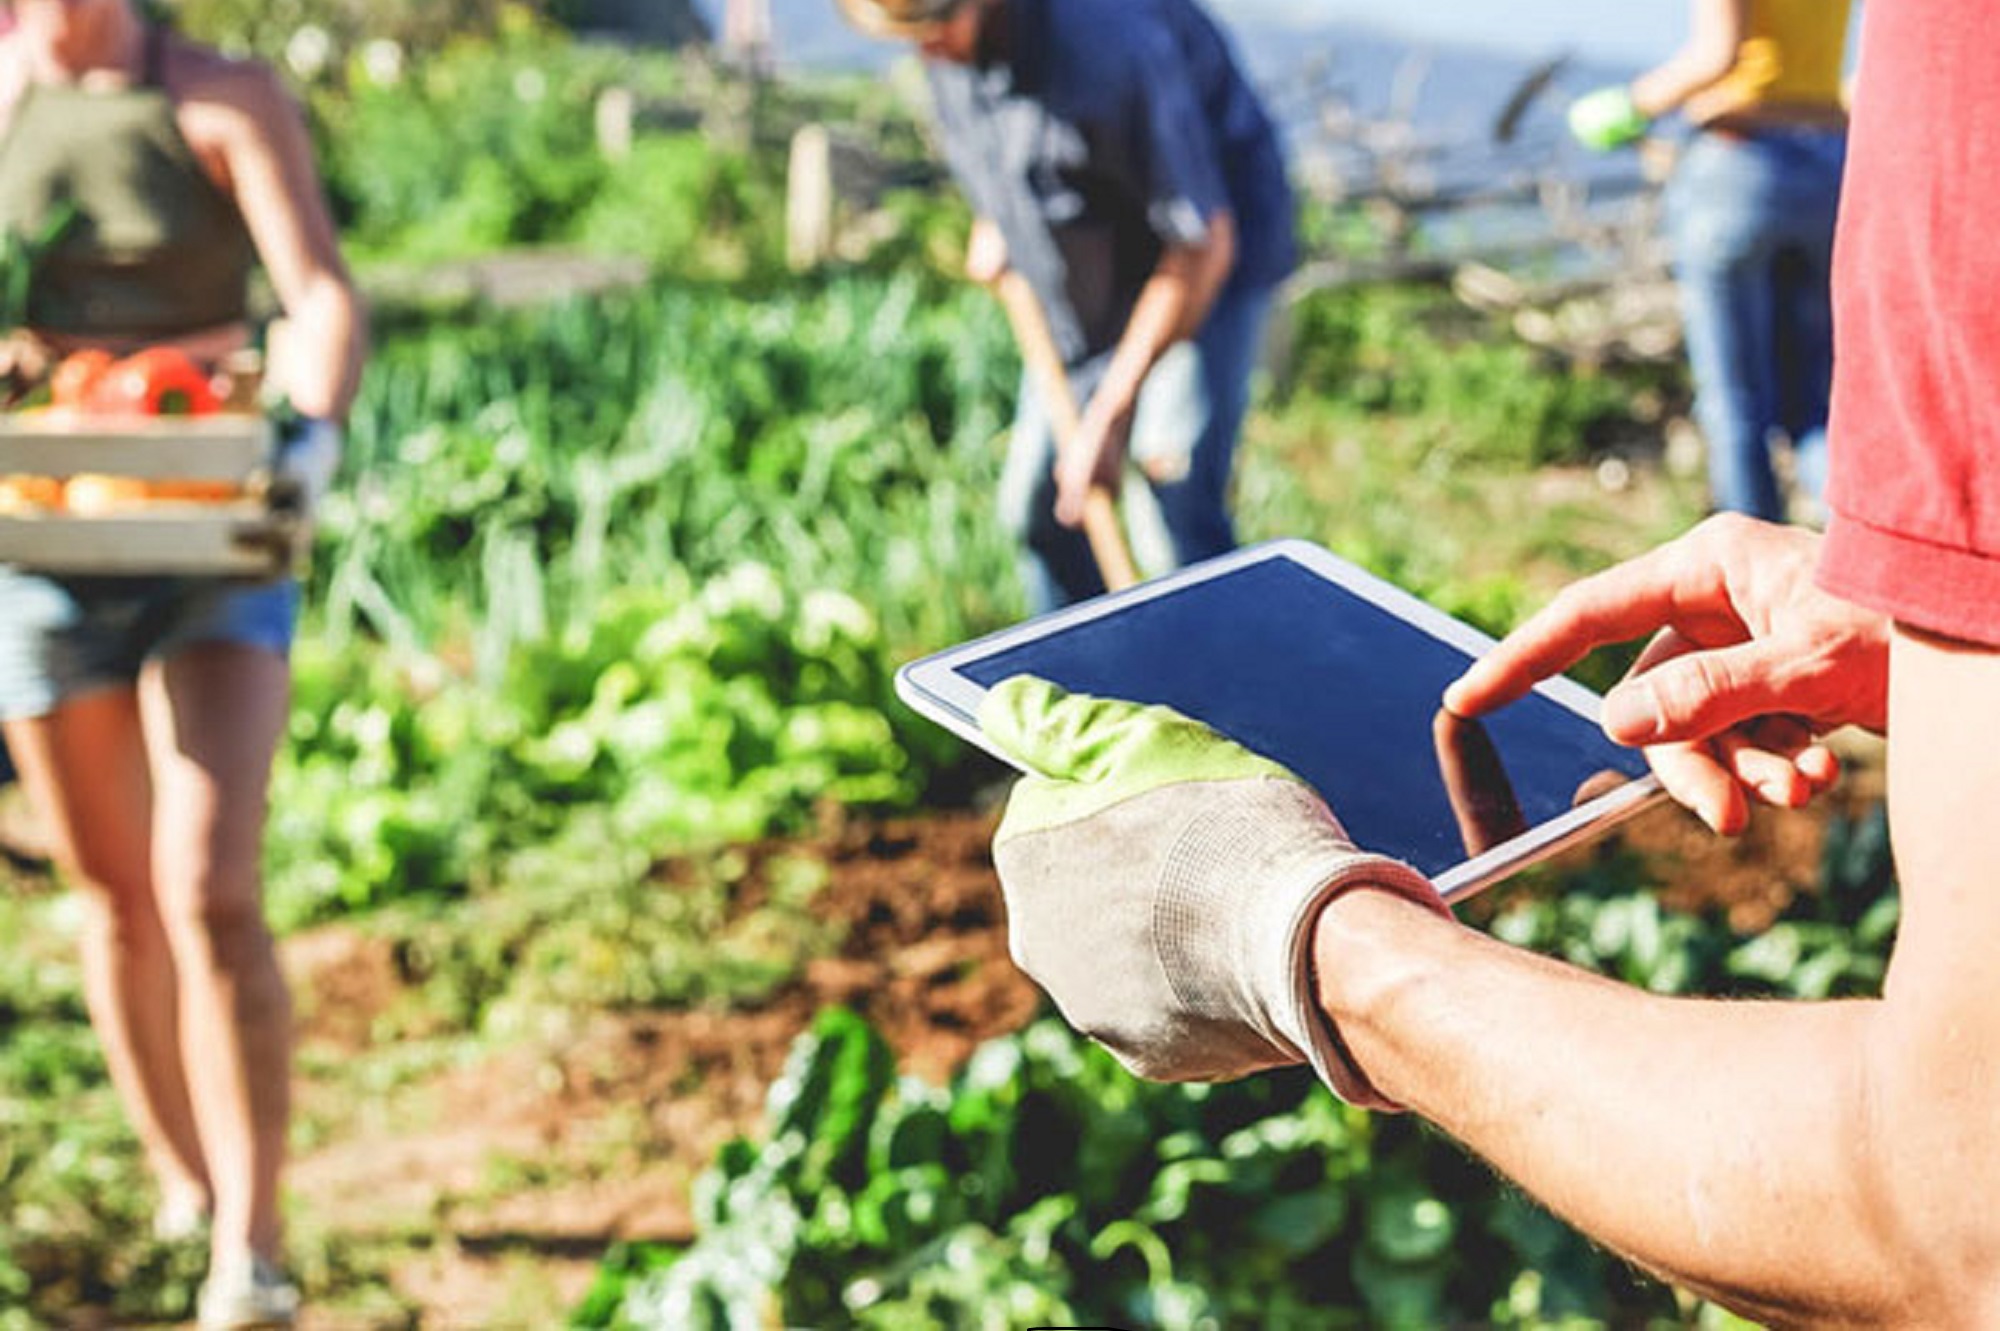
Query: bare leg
213	715
84	768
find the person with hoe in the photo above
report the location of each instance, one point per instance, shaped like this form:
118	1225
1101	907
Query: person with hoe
1124	174
144	712
1750	221
1830	1163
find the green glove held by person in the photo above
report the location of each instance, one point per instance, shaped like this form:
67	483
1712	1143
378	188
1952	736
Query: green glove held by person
1606	119
1162	884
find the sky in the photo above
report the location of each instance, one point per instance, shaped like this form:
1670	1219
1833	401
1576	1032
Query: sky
1621	31
1629	33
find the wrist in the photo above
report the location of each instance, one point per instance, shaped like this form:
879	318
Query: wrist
1117	394
1109	408
1354	958
1371	956
1310	1022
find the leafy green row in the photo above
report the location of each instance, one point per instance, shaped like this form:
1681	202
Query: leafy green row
679	721
638	569
450	131
511	472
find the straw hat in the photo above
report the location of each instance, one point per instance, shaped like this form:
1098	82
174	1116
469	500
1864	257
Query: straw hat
898	18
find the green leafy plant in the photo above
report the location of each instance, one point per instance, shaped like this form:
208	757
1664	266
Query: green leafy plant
1044	1184
679	720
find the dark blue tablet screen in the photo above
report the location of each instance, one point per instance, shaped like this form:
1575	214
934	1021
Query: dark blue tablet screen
1345	694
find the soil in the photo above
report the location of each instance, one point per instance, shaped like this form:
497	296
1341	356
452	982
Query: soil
535	1158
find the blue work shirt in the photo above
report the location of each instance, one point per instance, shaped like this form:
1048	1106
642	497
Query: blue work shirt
1094	134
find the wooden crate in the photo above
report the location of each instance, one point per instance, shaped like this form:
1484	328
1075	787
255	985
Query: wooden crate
247	537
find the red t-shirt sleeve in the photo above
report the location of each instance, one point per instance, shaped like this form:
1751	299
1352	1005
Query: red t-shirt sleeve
1915	491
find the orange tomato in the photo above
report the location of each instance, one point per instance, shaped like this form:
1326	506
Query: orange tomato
194	492
76	377
91	494
29	494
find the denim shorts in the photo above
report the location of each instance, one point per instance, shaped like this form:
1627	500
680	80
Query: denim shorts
61	636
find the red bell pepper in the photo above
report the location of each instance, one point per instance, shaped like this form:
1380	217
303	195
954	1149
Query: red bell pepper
158	381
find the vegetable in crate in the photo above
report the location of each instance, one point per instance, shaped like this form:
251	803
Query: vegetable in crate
89	494
76	377
159	381
93	383
22	494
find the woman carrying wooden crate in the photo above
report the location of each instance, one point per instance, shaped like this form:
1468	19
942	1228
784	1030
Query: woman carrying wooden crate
144	712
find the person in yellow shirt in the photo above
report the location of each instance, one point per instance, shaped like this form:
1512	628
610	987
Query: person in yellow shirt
1750	214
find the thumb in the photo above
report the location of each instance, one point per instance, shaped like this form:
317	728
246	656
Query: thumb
1045	728
1121	748
1692	694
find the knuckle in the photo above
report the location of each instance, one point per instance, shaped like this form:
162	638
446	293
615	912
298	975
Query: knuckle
1722	529
1688	688
1573	612
1709	676
1568	602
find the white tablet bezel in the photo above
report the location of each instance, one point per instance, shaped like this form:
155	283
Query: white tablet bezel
934	687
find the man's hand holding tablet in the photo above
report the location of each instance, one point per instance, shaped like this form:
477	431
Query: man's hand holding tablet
1162	885
1214	759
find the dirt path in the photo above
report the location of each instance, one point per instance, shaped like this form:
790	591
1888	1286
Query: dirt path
491	1184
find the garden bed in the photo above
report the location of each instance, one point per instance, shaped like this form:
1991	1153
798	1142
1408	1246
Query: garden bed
538	1155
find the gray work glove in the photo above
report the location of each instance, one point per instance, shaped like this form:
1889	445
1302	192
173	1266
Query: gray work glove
1162	885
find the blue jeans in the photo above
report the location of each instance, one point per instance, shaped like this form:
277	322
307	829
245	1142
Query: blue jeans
1187	419
1751	223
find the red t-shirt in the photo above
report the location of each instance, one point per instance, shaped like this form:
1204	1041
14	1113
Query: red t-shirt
1915	491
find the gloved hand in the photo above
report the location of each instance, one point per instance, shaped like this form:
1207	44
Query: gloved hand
1162	884
1607	119
308	458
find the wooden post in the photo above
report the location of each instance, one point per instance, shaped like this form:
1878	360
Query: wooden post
614	114
809	198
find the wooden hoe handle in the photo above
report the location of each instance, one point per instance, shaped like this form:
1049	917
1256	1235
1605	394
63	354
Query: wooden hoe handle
1038	348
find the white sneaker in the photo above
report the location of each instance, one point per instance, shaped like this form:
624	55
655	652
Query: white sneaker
250	1295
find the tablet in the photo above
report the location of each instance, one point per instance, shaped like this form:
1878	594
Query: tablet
1309	660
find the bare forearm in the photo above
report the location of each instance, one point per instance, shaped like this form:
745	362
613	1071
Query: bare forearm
325	342
1726	1146
1172	306
1716	29
1671	85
